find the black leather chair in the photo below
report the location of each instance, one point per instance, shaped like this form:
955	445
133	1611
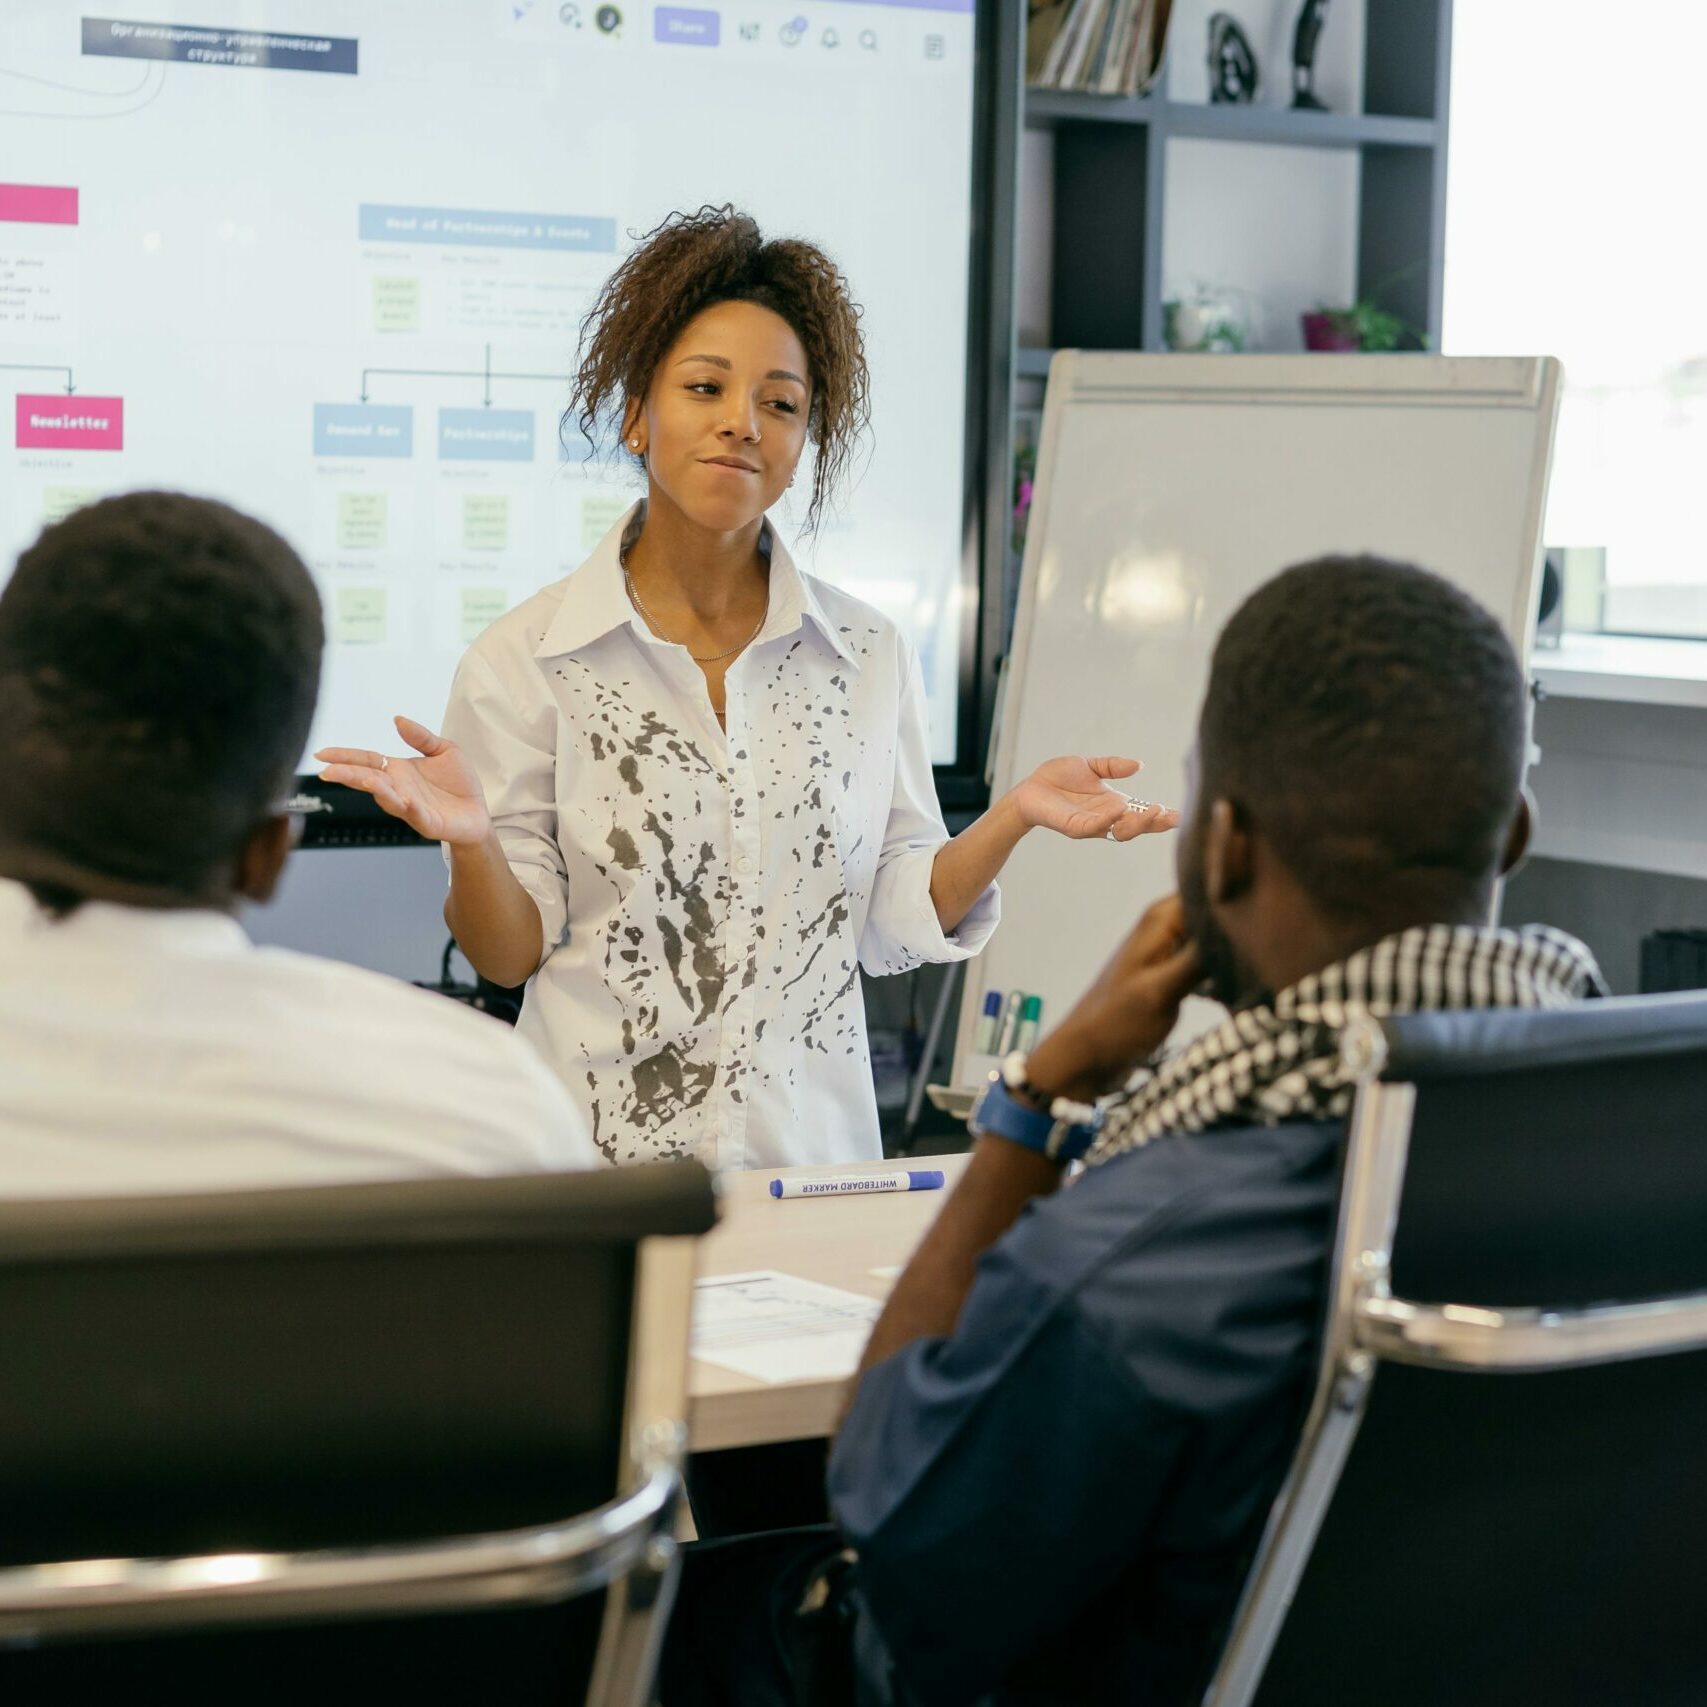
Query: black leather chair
1501	1492
422	1440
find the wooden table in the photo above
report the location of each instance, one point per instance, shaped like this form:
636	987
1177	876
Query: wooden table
836	1241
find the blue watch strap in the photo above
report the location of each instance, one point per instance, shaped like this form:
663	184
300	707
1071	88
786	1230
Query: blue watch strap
1000	1114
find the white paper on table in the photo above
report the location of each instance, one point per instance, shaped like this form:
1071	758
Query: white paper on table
777	1327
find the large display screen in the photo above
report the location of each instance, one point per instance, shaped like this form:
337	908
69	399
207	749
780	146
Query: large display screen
328	259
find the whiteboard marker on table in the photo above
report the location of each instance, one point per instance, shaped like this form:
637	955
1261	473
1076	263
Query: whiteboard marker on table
989	1024
858	1185
1030	1019
1010	1023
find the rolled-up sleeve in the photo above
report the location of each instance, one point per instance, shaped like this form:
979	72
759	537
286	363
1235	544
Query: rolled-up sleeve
901	928
510	737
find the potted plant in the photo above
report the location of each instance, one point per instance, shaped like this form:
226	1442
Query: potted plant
1025	484
1365	325
1206	318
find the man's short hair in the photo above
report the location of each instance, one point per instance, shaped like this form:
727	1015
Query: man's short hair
1372	719
159	661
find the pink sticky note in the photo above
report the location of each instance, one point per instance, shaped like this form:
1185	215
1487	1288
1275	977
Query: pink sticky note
38	204
58	422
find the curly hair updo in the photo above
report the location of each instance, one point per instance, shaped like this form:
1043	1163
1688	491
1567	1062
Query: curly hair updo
692	262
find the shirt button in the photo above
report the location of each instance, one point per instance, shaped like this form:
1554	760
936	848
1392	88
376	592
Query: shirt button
743	865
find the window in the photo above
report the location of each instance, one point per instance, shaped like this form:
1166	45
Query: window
1573	229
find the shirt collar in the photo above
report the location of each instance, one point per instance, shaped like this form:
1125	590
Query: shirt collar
595	601
107	924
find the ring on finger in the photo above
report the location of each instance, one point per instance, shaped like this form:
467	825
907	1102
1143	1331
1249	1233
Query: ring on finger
384	761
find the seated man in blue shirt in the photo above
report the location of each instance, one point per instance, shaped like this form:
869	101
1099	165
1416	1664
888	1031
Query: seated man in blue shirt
1078	1405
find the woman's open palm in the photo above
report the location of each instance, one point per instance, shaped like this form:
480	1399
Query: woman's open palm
437	795
1075	796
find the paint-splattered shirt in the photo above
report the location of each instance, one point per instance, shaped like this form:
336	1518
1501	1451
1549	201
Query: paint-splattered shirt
708	899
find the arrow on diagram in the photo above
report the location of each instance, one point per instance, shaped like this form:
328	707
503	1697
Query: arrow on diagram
484	374
42	367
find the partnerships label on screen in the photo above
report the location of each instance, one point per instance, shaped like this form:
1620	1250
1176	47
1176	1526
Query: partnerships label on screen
487	229
486	435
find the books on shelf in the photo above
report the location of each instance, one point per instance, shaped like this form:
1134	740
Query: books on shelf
1101	47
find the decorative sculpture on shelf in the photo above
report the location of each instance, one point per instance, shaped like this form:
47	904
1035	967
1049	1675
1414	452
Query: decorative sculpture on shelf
1306	37
1232	65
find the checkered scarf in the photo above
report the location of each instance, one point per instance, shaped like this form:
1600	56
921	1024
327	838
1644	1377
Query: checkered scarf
1280	1061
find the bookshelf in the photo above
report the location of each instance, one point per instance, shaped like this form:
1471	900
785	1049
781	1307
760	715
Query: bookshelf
1115	160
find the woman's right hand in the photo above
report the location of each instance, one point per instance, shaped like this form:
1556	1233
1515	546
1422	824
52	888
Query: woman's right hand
437	795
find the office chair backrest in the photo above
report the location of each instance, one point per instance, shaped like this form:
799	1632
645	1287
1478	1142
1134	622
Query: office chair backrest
1522	1511
320	1368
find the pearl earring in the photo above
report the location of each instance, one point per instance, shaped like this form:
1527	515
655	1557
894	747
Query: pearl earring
634	444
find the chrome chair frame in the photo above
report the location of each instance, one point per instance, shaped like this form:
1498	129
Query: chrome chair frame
1367	1325
626	1546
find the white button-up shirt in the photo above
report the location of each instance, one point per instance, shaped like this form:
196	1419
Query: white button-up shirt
708	899
146	1051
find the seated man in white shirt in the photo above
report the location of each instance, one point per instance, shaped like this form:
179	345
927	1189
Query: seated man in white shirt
159	659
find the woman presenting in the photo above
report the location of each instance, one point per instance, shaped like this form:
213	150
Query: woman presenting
687	789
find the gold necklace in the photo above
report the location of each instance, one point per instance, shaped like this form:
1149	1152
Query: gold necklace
658	629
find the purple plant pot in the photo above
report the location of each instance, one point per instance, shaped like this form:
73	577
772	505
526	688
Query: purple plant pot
1321	332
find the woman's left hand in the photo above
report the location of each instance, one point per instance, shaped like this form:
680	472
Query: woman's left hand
1073	795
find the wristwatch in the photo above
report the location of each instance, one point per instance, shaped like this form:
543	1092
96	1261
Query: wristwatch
1063	1132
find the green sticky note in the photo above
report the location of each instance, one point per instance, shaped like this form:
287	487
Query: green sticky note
57	502
481	606
361	521
396	304
599	514
485	521
361	615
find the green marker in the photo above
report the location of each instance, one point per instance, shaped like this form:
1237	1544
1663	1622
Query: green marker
1030	1020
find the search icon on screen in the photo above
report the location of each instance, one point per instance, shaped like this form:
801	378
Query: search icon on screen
868	40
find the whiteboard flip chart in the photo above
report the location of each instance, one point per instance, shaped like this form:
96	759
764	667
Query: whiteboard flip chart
1168	488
